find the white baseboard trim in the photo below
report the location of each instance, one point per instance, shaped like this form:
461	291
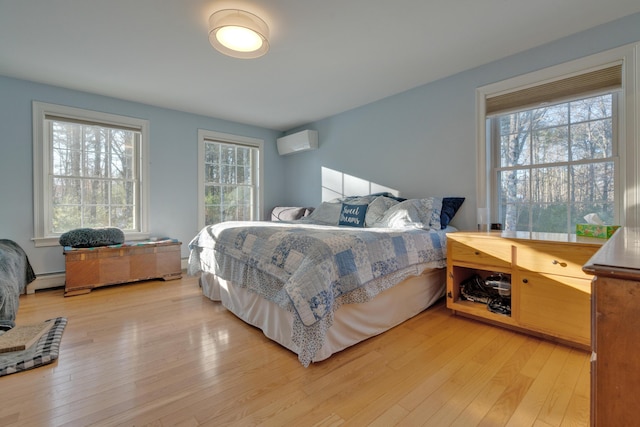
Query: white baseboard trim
56	280
46	281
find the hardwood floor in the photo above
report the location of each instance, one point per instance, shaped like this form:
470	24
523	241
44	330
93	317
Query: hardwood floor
159	353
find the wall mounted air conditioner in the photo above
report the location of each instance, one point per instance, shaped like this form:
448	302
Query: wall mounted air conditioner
299	141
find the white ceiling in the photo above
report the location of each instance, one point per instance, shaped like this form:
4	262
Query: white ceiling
326	56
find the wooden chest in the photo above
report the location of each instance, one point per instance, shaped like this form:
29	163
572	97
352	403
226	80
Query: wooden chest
102	266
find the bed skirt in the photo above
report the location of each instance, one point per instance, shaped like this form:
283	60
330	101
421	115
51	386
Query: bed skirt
352	323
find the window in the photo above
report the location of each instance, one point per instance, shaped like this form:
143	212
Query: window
555	164
561	142
230	177
89	171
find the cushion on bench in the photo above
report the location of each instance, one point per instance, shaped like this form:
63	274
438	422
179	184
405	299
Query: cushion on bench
92	237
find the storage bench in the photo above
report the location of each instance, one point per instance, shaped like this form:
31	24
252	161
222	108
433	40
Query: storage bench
110	265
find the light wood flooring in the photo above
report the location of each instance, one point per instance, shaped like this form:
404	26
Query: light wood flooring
159	353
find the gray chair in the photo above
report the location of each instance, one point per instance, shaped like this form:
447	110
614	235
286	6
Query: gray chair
15	274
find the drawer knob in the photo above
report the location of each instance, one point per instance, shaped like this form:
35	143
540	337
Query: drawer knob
525	280
556	262
476	253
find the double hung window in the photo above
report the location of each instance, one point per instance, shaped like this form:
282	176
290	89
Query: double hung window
555	164
552	150
229	178
89	171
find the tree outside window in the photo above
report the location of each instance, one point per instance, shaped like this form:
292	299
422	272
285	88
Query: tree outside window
555	164
94	176
230	183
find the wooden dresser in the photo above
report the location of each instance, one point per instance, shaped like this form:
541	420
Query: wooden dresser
615	362
550	295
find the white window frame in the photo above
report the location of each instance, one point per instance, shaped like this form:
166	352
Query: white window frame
209	135
628	184
43	236
566	164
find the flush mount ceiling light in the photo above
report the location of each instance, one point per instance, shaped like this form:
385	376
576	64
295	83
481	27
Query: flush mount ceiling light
238	33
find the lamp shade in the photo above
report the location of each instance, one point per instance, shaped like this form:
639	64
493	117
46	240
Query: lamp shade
238	33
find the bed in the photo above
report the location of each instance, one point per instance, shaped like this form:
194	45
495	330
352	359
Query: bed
352	269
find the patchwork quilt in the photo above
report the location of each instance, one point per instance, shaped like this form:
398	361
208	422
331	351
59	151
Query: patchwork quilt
311	269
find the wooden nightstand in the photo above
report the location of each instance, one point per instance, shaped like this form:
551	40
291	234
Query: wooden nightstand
550	294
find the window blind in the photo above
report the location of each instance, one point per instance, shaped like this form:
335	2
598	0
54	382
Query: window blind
78	121
592	82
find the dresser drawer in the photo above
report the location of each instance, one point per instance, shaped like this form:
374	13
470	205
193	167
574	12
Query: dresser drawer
564	260
487	252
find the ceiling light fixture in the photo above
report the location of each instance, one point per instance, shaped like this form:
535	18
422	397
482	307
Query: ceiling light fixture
238	33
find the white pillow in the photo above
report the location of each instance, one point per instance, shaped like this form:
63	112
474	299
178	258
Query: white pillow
377	209
413	213
326	213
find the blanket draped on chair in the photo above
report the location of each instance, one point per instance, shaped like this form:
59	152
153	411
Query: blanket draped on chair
15	274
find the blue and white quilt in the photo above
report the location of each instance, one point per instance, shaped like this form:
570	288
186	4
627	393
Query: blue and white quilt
311	269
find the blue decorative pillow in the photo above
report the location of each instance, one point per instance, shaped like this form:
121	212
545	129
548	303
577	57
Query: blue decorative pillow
450	206
353	215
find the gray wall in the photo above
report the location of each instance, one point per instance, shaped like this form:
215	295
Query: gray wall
173	164
422	142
